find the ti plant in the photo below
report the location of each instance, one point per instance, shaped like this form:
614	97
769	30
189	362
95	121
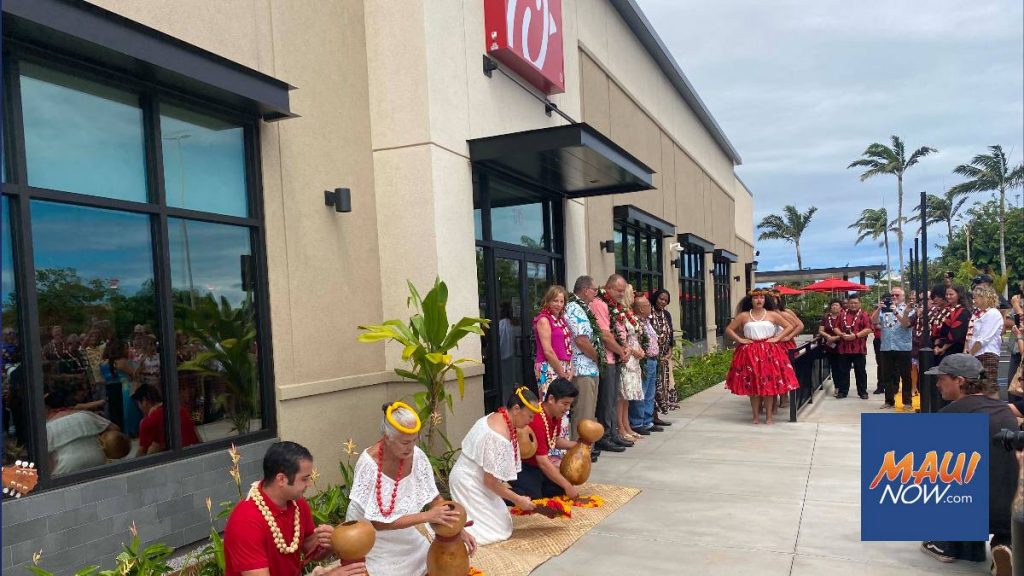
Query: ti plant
427	339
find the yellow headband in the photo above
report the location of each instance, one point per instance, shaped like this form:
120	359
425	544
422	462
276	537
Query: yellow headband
391	419
759	292
519	392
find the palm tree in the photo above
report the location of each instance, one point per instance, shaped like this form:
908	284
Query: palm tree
988	172
789	227
872	224
942	210
881	159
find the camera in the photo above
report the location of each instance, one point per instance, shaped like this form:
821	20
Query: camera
1009	440
887	302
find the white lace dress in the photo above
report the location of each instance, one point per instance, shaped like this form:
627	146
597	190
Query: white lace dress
484	451
396	552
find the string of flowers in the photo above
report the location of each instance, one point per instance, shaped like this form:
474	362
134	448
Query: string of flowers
620	315
595	331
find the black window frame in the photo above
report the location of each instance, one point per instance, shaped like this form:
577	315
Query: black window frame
639	263
20	195
692	293
723	294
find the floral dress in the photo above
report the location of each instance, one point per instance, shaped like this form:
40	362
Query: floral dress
631	386
665	398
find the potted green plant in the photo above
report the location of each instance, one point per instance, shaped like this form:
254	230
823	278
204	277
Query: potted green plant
428	339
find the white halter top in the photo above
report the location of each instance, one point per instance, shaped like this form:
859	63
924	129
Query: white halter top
759	330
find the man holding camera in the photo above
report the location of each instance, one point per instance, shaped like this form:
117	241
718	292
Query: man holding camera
895	318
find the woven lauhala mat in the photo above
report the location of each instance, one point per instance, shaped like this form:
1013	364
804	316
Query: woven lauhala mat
536	539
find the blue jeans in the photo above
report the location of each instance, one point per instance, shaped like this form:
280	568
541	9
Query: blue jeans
641	412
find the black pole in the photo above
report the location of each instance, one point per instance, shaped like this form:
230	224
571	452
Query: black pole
910	271
919	281
930	401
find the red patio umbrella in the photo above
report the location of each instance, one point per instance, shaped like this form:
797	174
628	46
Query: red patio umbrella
835	285
787	291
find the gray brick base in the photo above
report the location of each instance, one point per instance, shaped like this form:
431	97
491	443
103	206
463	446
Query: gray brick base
86	523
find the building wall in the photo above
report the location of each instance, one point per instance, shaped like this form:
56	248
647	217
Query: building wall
388	93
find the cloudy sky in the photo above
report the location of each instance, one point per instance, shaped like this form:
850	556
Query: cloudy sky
802	87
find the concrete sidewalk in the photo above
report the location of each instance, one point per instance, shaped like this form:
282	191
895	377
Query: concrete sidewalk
722	496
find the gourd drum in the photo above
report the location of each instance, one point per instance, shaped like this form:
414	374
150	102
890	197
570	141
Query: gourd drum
351	541
447	555
575	466
527	442
115	444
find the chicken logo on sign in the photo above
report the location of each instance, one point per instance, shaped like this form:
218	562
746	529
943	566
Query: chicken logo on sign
526	36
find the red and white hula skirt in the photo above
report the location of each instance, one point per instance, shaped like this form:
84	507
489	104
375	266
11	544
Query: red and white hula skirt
761	368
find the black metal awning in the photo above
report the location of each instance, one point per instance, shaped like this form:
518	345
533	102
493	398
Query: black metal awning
725	256
573	161
102	38
633	215
694	240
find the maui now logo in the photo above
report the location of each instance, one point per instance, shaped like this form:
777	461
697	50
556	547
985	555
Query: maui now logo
929	483
526	36
924	477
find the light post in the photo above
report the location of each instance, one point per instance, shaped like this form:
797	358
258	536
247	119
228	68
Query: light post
177	138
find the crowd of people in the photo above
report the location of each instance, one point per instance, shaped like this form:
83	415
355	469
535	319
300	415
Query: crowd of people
93	383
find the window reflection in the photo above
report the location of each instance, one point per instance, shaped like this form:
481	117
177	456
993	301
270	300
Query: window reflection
97	314
12	369
215	326
204	162
81	136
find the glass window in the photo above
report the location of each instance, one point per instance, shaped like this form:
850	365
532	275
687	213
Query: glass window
204	162
636	256
97	315
81	136
691	294
723	295
213	281
16	408
522	225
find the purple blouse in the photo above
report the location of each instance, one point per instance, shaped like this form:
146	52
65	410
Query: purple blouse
561	336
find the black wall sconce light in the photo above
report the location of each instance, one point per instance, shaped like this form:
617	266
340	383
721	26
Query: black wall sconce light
675	262
340	198
735	278
608	246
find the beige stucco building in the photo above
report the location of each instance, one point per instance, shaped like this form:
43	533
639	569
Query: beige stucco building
388	97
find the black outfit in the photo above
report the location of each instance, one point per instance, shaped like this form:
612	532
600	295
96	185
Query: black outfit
1002	476
895	367
859	364
607	394
533	483
876	344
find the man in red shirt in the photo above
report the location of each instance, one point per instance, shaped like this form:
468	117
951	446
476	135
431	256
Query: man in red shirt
854	329
540	477
260	538
152	438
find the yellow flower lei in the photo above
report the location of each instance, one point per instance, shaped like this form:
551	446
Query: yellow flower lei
391	419
275	531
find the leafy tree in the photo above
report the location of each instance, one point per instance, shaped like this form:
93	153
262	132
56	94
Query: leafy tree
942	209
985	242
881	159
788	227
874	223
988	173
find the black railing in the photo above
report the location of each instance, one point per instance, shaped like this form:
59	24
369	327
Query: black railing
811	366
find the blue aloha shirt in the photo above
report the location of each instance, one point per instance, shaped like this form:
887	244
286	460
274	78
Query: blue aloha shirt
579	325
896	338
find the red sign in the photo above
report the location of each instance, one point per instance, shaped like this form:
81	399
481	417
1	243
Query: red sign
526	36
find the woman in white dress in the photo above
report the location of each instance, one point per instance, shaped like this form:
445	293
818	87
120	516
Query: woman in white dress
490	457
392	483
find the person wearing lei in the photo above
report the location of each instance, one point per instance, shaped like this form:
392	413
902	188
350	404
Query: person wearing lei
489	459
540	476
631	377
953	332
854	329
760	368
607	309
828	331
553	345
392	483
271	532
588	358
666	398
